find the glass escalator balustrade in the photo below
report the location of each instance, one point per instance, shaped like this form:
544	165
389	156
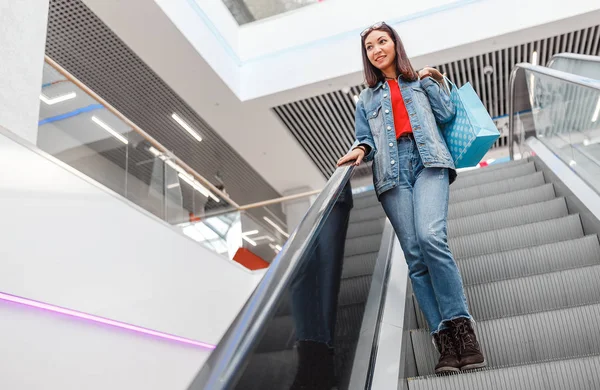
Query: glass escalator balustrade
78	129
566	118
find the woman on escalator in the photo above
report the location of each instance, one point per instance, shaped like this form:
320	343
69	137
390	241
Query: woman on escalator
398	119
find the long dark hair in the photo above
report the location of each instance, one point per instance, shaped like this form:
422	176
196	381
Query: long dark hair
403	65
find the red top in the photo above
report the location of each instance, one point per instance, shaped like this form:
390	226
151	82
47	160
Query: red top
401	121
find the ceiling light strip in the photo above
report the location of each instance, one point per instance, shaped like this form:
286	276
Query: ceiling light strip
109	130
279	229
57	99
187	127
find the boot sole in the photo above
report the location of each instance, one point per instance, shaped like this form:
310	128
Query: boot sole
474	366
447	370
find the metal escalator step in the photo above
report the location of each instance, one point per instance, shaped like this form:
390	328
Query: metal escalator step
366	214
535	293
363	244
363	201
500	219
539	233
572	374
493	167
535	260
359	265
557	334
276	370
501	202
493	176
270	370
280	333
496	188
352	291
365	228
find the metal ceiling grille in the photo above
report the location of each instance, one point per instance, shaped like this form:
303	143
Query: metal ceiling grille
80	42
324	124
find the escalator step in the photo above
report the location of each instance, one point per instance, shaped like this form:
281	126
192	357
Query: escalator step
364	244
533	294
364	201
496	188
359	265
493	167
352	291
572	374
501	202
493	176
557	334
281	332
530	261
367	214
500	219
539	233
365	228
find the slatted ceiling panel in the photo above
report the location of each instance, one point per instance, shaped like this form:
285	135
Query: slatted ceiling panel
80	42
332	130
596	44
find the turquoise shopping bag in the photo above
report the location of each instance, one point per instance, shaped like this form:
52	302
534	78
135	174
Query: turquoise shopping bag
472	131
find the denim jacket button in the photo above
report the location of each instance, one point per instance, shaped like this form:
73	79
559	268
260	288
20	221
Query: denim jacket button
392	162
385	95
391	144
387	111
389	127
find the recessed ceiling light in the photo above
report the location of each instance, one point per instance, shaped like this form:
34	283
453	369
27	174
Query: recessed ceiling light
58	99
249	241
279	229
187	127
109	130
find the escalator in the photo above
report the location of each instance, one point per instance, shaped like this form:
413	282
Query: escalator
525	237
273	365
531	278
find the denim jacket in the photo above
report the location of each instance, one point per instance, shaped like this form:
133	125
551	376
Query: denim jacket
429	107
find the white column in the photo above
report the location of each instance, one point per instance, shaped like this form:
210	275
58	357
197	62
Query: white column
23	25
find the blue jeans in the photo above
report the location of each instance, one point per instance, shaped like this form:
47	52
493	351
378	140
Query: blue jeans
418	211
315	289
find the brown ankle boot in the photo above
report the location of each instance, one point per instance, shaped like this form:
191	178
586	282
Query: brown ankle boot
446	346
467	344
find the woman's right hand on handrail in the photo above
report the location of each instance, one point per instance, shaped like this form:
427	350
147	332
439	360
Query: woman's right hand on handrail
356	154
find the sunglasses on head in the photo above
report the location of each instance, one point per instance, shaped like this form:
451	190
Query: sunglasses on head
376	26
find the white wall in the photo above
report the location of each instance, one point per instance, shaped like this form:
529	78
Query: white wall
70	243
22	42
43	350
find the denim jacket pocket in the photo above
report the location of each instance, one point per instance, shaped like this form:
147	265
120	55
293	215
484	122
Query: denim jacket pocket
375	119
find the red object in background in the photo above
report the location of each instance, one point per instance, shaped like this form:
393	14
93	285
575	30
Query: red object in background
483	164
249	260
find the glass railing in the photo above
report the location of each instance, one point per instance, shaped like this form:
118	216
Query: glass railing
247	11
562	110
82	130
579	64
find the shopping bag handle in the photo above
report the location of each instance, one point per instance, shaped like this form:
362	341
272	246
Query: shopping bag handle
448	84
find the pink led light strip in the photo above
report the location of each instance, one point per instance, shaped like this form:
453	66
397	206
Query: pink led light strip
100	320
